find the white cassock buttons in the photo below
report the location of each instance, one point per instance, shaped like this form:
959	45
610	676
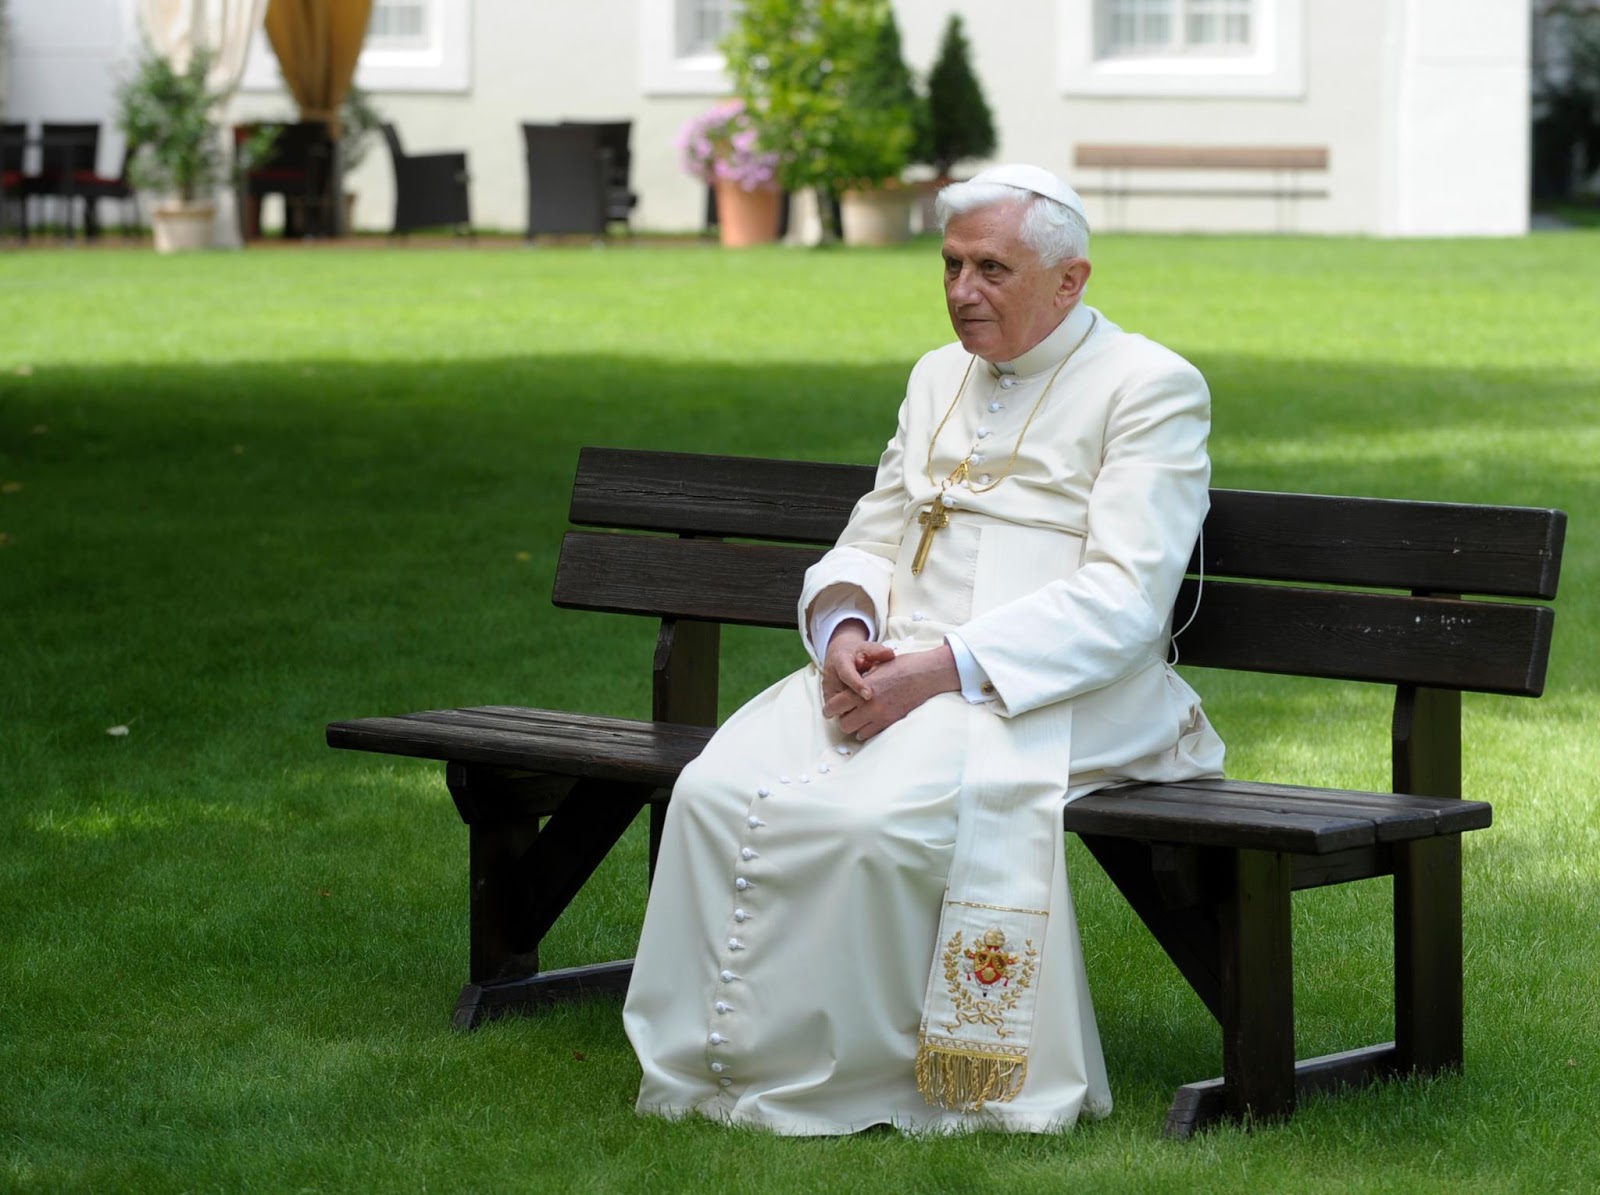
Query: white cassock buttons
842	750
1007	382
997	405
804	779
763	792
823	768
917	616
783	780
735	944
747	854
723	1006
727	976
726	1082
755	823
983	431
717	1068
984	480
741	883
740	915
716	1039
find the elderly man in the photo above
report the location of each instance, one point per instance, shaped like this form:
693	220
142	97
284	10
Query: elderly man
861	913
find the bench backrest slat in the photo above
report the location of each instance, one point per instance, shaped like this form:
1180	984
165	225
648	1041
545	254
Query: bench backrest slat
1438	547
739	497
1343	634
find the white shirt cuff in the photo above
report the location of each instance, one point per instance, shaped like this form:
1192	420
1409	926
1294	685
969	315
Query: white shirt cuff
975	685
838	604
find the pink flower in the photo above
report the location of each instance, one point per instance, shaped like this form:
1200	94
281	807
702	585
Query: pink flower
721	143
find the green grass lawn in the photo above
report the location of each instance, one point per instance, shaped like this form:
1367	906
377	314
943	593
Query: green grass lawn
244	495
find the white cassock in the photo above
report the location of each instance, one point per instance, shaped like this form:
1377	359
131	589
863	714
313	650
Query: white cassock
786	949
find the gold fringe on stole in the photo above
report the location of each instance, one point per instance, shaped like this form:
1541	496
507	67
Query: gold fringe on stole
965	1080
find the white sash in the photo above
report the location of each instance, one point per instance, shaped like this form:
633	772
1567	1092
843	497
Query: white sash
977	1017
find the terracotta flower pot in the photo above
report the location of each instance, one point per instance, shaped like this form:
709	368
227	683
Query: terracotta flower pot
747	217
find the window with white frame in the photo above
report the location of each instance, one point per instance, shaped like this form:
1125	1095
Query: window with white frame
702	24
679	45
1167	27
398	25
411	45
1182	47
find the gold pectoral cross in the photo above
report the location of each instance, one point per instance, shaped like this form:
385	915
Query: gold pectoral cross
931	519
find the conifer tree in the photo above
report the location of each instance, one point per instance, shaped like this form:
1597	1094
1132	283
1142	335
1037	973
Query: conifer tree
959	123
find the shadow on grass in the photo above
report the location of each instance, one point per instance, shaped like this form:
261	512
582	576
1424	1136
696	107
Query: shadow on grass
224	559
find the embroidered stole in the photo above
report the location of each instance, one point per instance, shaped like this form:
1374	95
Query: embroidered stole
977	1017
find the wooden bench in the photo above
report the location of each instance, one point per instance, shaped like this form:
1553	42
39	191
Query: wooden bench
1275	172
1339	588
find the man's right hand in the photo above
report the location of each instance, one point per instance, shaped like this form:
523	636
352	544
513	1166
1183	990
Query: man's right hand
849	658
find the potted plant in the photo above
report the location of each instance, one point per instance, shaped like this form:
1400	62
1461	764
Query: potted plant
875	208
721	148
175	147
805	71
958	124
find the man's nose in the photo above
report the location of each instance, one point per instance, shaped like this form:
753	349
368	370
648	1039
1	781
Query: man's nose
961	288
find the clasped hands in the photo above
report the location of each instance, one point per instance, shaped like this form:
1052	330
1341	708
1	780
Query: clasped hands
867	687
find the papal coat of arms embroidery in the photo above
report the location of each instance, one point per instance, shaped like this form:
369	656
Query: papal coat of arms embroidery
986	990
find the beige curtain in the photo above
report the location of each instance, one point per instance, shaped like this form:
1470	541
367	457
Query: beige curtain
174	29
317	43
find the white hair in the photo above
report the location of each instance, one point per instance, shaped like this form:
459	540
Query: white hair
1051	229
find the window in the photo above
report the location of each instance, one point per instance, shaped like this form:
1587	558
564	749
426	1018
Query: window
398	25
678	45
1182	47
1168	27
702	24
411	45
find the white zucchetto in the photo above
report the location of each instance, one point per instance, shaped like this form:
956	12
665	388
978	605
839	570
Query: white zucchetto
1035	179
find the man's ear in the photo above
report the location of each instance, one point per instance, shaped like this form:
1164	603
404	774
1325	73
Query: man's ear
1074	277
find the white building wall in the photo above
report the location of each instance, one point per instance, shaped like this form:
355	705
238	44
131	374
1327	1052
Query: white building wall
1460	119
67	57
1422	104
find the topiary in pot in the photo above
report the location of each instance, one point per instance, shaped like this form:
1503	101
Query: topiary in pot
959	124
174	146
804	69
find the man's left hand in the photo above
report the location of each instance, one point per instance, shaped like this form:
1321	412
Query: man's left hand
898	686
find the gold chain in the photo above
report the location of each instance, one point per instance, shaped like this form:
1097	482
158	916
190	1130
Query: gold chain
963	472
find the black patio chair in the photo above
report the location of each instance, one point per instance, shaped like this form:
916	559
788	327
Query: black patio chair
430	190
117	188
299	167
614	137
67	157
13	196
568	170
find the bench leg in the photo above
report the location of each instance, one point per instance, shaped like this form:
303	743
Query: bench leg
522	877
1428	1004
1258	988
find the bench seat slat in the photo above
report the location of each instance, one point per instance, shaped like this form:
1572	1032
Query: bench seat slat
1391	820
1446	816
618	749
1132	814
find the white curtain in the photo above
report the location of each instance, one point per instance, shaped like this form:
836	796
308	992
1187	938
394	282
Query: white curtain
225	27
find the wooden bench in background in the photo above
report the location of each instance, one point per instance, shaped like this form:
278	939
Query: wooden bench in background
1338	588
1270	172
